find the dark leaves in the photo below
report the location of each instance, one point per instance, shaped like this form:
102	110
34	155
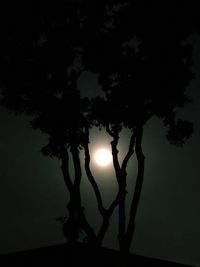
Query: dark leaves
141	57
179	132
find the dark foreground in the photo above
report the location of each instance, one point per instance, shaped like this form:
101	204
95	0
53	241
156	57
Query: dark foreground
63	255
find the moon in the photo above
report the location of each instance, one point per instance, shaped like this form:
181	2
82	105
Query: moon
103	157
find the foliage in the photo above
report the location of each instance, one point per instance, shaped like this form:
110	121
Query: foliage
144	62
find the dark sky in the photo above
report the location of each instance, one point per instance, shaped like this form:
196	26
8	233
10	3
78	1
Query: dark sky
33	194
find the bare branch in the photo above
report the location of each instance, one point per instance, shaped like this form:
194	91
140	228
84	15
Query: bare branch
92	180
129	153
113	205
65	170
115	151
77	166
108	130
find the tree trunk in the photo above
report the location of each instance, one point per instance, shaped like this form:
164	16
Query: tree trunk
122	216
77	197
138	188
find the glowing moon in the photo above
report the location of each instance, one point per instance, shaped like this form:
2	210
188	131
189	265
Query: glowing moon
103	157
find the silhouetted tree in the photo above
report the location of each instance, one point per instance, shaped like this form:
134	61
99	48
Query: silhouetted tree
41	61
40	65
142	57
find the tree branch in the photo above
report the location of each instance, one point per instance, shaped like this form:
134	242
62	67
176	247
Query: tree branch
108	130
115	151
129	153
92	180
65	170
77	166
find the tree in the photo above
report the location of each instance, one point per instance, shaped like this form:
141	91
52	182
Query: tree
39	72
40	66
143	59
143	70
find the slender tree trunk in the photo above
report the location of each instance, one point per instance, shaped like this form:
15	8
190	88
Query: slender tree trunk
122	194
122	216
138	188
122	189
77	197
71	238
106	218
65	170
103	229
92	180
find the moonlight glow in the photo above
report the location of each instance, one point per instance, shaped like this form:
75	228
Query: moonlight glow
103	157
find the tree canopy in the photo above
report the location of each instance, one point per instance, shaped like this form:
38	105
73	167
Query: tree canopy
143	59
139	50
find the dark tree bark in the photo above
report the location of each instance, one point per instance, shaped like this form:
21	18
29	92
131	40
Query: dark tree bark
77	196
121	176
138	188
121	185
65	170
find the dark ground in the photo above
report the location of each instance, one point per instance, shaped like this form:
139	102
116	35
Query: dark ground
79	256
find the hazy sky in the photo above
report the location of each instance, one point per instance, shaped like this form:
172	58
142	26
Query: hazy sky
33	194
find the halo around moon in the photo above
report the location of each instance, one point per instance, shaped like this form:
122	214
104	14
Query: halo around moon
103	157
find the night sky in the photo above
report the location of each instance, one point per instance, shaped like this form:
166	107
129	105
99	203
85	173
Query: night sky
33	194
